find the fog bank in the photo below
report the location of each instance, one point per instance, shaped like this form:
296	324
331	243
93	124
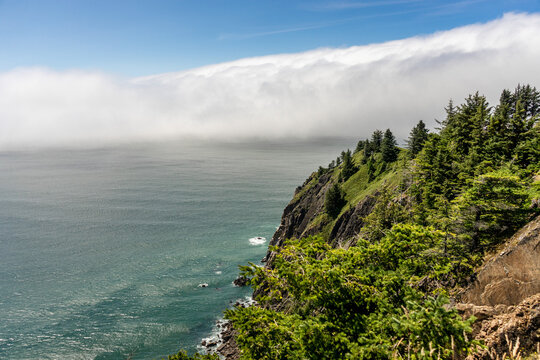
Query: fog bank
324	92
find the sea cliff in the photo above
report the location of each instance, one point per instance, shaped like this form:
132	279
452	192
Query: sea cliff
429	251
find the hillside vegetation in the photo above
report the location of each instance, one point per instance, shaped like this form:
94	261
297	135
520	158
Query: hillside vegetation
366	270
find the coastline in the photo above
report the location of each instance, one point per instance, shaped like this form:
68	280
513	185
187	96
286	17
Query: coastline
222	338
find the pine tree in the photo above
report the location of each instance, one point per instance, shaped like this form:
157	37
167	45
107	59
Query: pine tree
376	140
348	167
359	146
367	151
389	147
465	130
493	206
334	200
370	169
417	138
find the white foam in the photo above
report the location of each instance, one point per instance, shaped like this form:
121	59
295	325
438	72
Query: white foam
258	240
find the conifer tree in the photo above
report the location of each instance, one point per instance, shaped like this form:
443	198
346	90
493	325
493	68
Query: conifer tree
334	200
359	146
417	138
370	169
389	147
495	204
376	141
348	167
367	151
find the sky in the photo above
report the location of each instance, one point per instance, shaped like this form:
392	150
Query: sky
93	72
136	38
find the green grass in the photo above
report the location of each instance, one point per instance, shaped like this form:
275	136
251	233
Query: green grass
305	188
321	218
356	188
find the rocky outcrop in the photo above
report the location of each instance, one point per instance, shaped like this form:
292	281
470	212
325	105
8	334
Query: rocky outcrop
300	215
306	205
350	223
228	347
501	327
505	297
511	276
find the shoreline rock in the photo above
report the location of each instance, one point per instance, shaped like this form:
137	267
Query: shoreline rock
241	281
223	342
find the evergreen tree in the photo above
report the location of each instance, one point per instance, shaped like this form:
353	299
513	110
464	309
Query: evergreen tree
334	200
498	145
389	147
376	141
359	146
370	169
529	98
450	112
465	129
348	167
495	205
517	124
417	138
367	151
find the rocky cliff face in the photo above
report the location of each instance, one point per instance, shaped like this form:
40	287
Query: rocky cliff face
511	276
299	218
501	327
505	296
306	205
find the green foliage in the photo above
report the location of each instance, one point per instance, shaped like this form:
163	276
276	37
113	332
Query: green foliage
359	146
334	200
385	213
367	151
389	148
360	303
417	138
495	204
371	169
376	141
348	166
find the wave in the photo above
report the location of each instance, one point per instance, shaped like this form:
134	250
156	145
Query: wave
258	240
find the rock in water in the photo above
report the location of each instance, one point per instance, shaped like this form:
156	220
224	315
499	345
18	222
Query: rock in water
241	281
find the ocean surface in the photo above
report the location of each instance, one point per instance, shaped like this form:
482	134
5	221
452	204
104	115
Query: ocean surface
102	250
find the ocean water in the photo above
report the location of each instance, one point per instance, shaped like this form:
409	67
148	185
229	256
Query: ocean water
102	250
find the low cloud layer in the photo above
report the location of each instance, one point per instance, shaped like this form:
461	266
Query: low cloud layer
325	92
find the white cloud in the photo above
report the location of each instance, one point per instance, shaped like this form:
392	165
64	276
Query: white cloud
349	91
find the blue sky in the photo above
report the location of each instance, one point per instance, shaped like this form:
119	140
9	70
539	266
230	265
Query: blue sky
134	38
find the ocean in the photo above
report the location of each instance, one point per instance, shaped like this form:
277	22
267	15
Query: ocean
102	250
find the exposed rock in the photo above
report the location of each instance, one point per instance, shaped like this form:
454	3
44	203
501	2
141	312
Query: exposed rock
302	209
498	326
350	223
241	281
511	276
298	217
228	348
505	296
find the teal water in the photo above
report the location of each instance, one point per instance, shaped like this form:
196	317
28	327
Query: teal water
102	250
